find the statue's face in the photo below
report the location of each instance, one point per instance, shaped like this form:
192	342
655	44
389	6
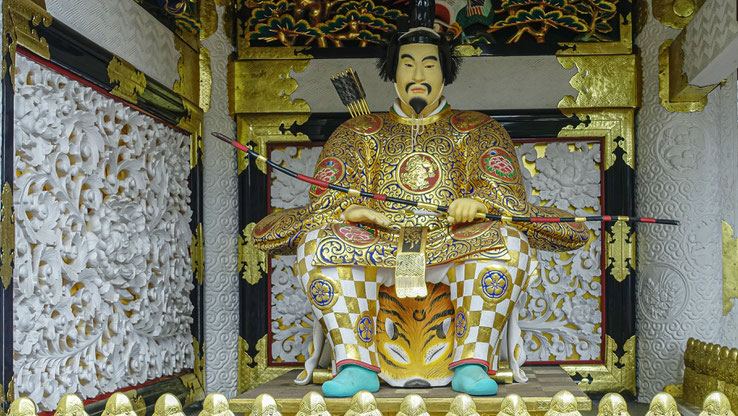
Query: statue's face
419	74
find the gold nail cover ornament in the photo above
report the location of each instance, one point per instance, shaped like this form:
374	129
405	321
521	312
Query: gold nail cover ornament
513	405
70	405
118	405
413	405
612	404
663	404
563	404
22	406
313	404
363	404
265	405
215	404
168	405
716	404
463	405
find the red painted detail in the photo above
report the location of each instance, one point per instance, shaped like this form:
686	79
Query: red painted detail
380	197
606	218
653	220
545	219
240	146
483	363
316	182
359	363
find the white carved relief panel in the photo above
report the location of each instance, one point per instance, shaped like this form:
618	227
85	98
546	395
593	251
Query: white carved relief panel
679	290
563	317
102	270
220	222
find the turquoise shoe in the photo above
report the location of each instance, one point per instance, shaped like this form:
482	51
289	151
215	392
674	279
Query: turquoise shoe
473	380
351	380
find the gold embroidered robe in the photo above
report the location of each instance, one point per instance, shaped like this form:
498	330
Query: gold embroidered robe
456	154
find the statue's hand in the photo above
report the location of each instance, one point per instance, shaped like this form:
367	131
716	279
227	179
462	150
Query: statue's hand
359	213
465	210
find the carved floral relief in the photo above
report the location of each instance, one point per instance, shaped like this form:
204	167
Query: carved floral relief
102	269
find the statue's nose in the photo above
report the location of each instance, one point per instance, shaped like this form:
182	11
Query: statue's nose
417	383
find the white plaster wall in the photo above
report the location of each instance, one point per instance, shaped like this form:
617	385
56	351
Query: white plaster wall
681	173
484	83
124	28
221	229
729	183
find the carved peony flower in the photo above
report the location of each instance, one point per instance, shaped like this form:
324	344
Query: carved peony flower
569	178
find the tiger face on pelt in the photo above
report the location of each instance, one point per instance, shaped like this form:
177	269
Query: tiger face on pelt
414	341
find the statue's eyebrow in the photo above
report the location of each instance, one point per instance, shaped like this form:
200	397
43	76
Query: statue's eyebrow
404	55
431	58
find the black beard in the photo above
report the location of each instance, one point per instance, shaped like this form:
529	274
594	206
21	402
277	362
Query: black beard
418	104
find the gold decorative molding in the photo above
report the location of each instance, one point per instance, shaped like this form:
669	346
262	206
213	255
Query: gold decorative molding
7	236
603	81
675	93
468	50
622	46
251	260
21	18
208	19
676	13
199	365
270	52
192	122
716	404
197	254
7	397
131	82
616	375
188	67
264	128
264	86
676	390
730	268
616	126
612	404
708	368
195	390
253	371
206	79
621	250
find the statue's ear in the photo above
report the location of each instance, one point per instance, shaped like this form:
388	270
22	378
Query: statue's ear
389	328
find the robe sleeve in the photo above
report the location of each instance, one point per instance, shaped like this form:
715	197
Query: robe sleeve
341	163
494	177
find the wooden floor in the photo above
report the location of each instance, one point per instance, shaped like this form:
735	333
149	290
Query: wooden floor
543	383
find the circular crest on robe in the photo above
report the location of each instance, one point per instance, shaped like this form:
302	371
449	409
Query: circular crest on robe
465	231
353	235
418	173
494	284
497	163
365	328
460	324
330	170
322	291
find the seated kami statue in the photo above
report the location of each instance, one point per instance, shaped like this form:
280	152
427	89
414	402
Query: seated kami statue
348	246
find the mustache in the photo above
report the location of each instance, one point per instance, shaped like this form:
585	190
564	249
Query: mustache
425	84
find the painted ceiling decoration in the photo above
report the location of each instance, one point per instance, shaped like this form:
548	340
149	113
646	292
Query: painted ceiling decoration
480	23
